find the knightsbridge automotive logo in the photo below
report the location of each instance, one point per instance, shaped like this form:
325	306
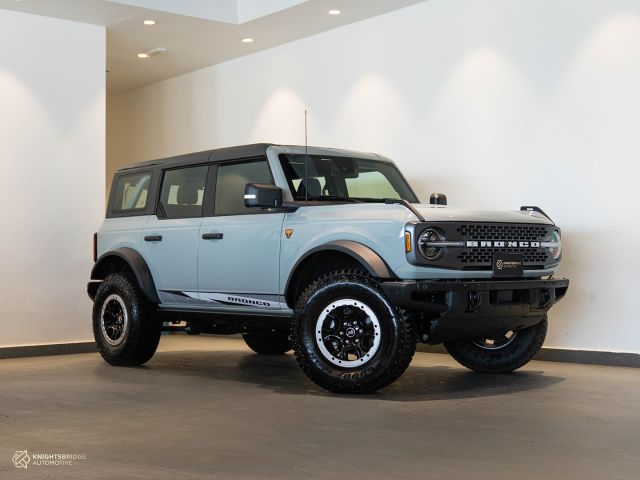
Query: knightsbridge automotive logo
22	459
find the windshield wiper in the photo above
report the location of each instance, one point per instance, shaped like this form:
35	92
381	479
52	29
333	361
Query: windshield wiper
395	201
389	201
334	198
401	201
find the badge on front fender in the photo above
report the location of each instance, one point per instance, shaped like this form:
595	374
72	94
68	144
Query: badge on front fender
508	265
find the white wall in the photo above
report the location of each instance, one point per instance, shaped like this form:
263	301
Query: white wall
496	103
52	95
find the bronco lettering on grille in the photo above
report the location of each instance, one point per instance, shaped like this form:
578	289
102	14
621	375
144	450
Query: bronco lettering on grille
501	244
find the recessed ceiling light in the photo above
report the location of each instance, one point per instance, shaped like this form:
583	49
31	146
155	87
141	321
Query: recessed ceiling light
334	12
247	40
149	22
152	53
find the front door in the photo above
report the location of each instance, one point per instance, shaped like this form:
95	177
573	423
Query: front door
170	239
239	252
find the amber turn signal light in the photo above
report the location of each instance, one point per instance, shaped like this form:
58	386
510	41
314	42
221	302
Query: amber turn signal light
407	242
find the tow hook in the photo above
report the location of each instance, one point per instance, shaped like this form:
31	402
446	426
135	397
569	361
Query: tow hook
474	301
546	299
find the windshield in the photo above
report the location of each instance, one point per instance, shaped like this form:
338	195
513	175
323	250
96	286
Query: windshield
329	178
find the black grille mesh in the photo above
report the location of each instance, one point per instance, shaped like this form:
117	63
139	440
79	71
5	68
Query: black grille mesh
486	231
480	257
485	255
475	257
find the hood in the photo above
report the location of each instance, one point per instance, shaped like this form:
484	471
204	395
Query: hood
441	213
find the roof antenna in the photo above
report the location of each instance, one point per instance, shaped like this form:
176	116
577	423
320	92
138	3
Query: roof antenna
306	159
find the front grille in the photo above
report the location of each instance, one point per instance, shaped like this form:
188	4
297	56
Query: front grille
475	256
481	258
503	231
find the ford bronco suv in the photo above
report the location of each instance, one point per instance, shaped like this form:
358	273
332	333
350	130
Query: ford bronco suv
326	252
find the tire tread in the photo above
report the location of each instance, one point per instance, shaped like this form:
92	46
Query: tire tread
529	341
144	330
407	337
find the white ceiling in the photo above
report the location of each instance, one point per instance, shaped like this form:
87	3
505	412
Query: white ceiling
198	33
228	11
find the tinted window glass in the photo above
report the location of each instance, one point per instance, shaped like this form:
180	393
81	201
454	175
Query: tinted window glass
131	193
371	182
182	192
319	177
232	179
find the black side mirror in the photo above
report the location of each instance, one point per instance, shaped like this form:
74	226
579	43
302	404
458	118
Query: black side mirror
262	195
438	199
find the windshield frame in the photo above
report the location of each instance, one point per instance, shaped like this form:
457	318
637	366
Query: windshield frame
408	194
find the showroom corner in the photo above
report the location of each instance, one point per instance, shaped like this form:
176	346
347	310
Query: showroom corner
493	123
310	239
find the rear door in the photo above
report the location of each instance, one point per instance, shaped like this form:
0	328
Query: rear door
239	253
170	238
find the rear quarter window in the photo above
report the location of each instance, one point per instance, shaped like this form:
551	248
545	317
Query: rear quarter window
131	193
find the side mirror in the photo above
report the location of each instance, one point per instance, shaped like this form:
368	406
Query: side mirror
438	199
262	195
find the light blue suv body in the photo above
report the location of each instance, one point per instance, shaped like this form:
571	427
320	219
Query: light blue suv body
203	248
254	259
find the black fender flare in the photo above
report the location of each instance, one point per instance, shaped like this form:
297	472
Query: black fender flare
138	266
368	258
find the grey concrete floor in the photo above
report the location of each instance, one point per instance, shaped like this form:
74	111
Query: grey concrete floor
207	407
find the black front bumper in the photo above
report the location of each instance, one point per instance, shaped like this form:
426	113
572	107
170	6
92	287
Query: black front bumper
474	309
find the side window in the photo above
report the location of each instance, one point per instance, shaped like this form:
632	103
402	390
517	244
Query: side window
182	192
131	193
230	184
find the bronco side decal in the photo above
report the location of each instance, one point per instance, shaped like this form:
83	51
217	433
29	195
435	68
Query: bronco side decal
255	300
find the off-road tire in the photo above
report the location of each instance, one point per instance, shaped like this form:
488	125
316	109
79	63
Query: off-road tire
142	334
397	342
267	344
518	353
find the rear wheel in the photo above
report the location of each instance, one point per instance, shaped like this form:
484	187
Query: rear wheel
348	338
125	327
502	353
268	344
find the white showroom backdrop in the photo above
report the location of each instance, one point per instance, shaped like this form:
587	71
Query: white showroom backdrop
52	154
497	103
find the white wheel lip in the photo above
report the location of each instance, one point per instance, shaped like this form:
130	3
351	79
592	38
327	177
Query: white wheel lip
120	300
320	342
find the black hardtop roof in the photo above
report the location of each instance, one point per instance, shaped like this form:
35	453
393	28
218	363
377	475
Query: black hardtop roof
218	154
238	152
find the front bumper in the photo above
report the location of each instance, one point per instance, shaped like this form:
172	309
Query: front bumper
458	310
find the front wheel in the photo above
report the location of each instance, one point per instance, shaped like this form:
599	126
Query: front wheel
502	353
348	338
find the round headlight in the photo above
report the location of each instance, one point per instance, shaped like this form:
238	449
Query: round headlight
428	236
556	245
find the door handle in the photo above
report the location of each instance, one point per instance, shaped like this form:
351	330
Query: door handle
212	236
153	238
